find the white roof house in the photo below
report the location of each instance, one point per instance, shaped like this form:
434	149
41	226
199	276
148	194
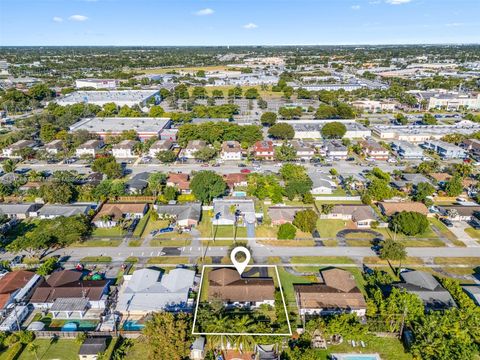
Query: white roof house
148	291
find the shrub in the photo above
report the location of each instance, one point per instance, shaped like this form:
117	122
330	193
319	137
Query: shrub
286	232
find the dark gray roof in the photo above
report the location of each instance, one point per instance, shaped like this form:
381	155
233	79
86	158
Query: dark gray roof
139	181
93	346
185	211
63	210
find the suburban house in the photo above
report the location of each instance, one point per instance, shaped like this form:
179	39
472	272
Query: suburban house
322	184
159	146
304	151
111	214
54	147
11	151
184	215
149	290
137	183
283	214
427	288
391	208
334	149
124	149
192	147
263	150
19	211
17	286
51	211
362	215
337	293
227	285
460	212
181	181
68	284
231	211
231	150
89	148
374	150
234	180
92	347
408	181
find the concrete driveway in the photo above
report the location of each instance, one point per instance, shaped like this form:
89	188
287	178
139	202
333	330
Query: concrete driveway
458	229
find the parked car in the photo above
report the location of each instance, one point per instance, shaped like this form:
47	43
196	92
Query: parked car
17	260
245	171
166	230
447	222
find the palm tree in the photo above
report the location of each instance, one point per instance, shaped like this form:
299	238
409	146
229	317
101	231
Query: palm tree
219	326
9	165
244	342
33	348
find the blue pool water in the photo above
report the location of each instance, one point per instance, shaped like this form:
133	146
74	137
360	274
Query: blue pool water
131	325
71	326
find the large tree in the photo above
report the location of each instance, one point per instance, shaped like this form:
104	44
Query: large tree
281	131
306	220
168	336
410	223
207	185
268	118
393	250
333	130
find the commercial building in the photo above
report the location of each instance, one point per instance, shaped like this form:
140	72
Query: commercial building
445	150
373	106
96	83
118	97
407	150
145	127
311	129
420	133
448	100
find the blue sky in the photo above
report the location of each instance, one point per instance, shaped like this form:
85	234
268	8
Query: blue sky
237	22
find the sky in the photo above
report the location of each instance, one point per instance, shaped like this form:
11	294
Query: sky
238	22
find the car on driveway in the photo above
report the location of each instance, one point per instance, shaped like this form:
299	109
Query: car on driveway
447	222
166	230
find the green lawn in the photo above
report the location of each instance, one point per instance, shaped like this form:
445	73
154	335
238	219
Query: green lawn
47	350
321	260
168	260
98	243
97	259
139	229
475	234
287	281
108	232
330	228
154	225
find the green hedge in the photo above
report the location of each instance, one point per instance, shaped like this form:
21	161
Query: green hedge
13	352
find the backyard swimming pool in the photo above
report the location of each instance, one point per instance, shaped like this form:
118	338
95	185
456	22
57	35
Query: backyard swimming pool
132	325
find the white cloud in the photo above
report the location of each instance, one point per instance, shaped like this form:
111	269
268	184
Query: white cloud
250	26
397	2
205	12
78	18
57	19
355	7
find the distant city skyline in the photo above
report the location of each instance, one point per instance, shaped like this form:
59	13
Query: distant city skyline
237	22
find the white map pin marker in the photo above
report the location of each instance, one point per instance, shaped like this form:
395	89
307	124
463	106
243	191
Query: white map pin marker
240	266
